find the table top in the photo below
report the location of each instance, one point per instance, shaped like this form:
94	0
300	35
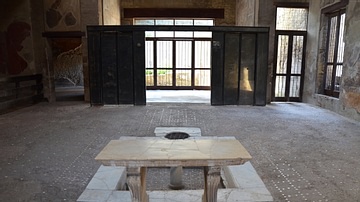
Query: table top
159	152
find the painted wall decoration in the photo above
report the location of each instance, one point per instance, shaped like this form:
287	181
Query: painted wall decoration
3	51
11	61
68	65
62	15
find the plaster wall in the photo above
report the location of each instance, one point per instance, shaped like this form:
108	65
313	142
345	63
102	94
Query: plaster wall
111	12
91	14
39	42
22	47
229	7
62	15
246	12
348	103
16	39
312	73
266	18
350	91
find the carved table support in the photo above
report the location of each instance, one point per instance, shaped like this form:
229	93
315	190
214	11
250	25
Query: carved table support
212	180
136	180
176	178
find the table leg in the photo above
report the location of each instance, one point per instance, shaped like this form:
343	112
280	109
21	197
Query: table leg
176	178
212	180
136	180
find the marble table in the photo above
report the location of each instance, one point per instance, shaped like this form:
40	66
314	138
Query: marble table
137	155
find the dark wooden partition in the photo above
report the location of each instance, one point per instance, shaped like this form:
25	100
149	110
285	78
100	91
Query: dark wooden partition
117	64
239	66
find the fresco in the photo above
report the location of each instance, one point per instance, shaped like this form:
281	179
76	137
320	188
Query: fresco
3	65
68	65
61	15
11	47
67	61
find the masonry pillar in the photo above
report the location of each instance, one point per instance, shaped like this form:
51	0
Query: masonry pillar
350	84
91	14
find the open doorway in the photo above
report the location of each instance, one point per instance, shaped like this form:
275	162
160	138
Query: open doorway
68	69
177	63
290	37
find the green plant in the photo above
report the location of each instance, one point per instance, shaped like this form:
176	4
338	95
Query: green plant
149	72
163	71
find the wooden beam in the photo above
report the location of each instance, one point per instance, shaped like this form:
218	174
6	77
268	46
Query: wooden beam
291	4
70	34
335	7
173	13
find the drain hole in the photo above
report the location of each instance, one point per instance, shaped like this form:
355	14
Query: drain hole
177	135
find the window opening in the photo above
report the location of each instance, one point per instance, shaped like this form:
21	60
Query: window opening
334	53
291	19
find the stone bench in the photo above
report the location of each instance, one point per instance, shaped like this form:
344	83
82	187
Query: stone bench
138	155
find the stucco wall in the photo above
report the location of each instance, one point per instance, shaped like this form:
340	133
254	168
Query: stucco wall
246	12
62	15
22	47
91	14
16	39
350	91
111	12
312	73
266	18
37	24
348	103
229	7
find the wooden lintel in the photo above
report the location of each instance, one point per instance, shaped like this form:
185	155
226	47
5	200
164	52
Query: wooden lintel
173	13
291	4
334	7
70	34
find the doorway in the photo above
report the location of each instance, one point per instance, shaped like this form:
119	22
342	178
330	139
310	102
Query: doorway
178	69
290	40
177	60
177	63
68	69
289	71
